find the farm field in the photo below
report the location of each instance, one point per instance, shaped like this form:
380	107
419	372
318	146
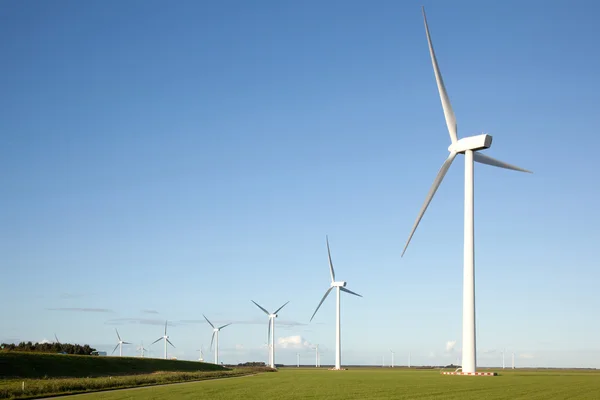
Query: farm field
291	383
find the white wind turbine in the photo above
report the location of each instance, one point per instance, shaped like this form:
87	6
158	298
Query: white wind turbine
166	339
142	350
201	350
339	286
119	345
271	334
392	357
317	359
469	147
215	332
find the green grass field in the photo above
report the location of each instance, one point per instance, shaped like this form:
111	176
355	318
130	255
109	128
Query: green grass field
39	365
291	383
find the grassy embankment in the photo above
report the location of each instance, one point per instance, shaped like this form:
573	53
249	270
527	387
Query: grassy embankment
48	374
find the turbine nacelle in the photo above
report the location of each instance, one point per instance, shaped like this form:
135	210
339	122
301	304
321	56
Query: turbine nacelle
474	143
338	284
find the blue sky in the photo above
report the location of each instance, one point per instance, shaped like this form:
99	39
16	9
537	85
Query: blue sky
163	160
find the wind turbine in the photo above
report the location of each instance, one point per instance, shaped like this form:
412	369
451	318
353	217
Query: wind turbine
58	342
201	354
339	286
142	349
166	339
119	345
317	364
392	357
215	332
271	334
469	146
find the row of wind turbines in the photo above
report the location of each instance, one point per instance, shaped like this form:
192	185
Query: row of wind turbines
470	147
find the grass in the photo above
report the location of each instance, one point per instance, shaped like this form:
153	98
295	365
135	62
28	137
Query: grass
291	383
40	365
33	388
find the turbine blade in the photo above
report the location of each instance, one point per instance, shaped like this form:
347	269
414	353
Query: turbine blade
210	323
279	309
448	112
118	334
113	352
221	327
126	343
322	300
212	340
330	263
483	159
168	341
432	190
265	311
165	328
160	338
343	289
55	337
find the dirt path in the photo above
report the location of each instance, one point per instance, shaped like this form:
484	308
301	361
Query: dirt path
64	396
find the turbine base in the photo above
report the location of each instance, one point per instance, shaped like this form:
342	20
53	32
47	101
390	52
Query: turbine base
470	373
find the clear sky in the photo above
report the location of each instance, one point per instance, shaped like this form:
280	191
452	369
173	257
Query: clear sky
161	160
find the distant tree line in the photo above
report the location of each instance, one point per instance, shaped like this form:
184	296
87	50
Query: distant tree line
65	348
252	364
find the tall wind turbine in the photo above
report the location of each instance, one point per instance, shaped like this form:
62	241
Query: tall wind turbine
339	286
392	357
271	334
215	332
165	337
469	146
120	344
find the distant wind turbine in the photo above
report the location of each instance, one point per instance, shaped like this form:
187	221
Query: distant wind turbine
271	333
201	353
339	286
215	333
60	347
119	345
165	337
392	357
469	146
317	361
142	350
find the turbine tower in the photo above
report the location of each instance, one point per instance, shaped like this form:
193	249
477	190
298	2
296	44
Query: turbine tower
392	357
165	337
469	146
215	332
340	287
119	345
271	334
